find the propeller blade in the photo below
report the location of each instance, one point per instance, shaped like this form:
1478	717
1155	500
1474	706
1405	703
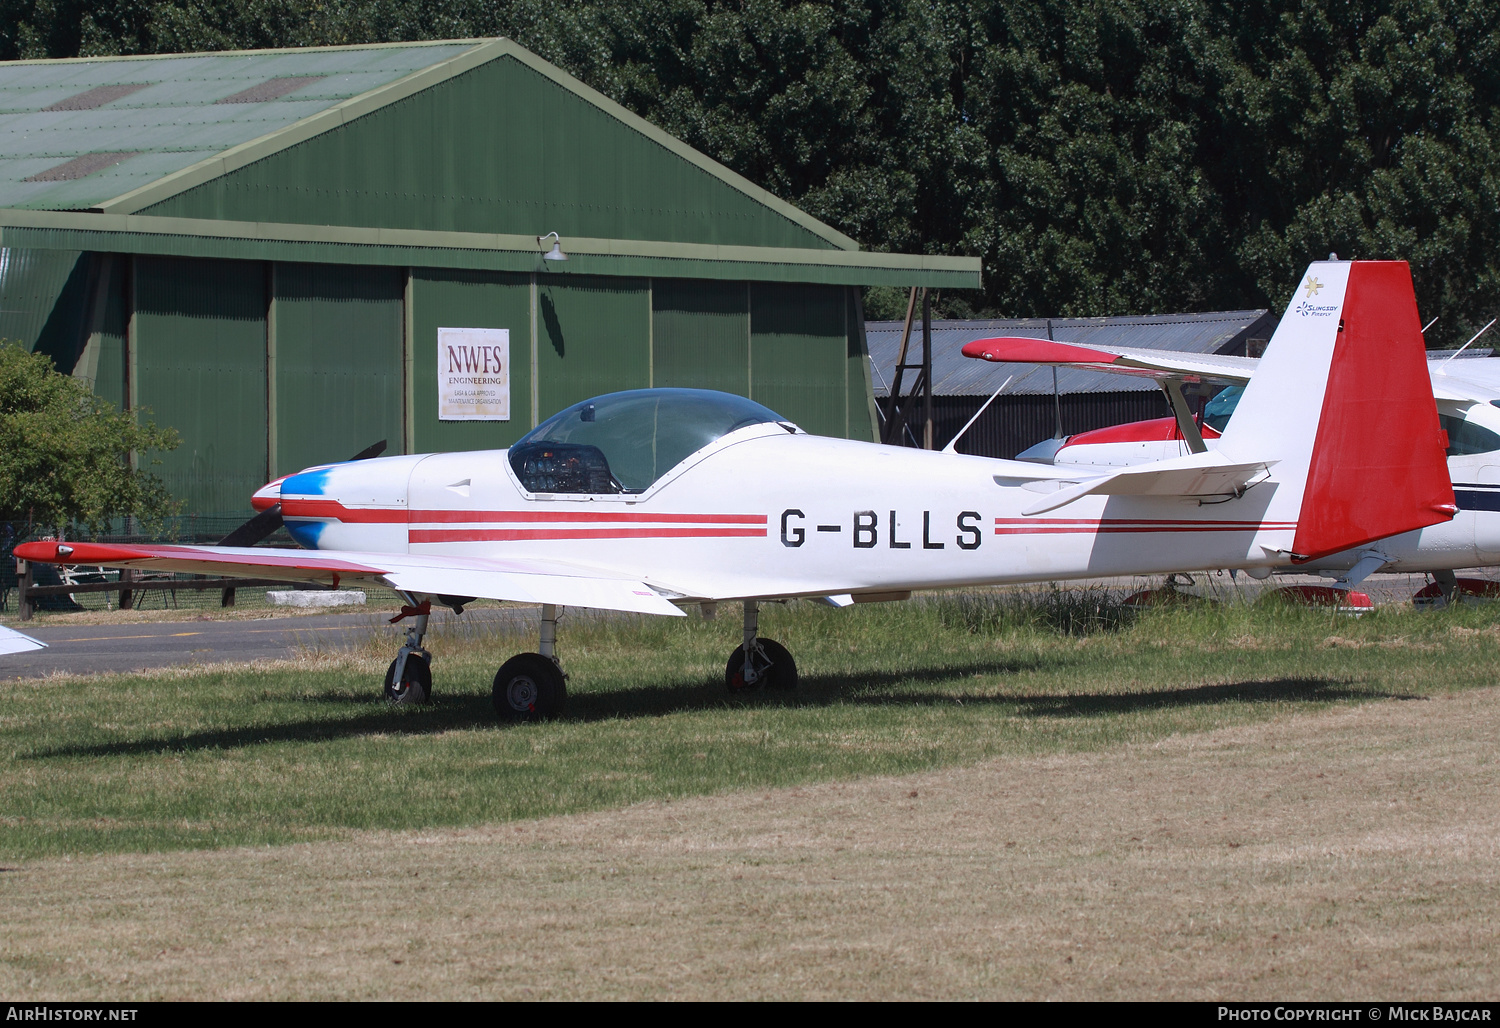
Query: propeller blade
256	529
373	450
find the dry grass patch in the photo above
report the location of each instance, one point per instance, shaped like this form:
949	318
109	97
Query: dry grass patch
1334	854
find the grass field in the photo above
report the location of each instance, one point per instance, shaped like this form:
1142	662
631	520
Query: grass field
305	750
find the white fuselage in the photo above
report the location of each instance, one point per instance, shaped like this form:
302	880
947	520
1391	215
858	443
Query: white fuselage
765	512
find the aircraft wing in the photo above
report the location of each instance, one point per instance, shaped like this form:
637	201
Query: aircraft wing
12	641
1156	364
522	580
1199	475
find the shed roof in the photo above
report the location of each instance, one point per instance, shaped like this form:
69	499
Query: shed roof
953	374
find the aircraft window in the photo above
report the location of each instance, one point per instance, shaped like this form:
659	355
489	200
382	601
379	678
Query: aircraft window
623	442
1465	437
1216	412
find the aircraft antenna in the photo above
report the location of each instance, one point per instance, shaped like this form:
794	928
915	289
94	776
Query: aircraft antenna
1475	336
954	441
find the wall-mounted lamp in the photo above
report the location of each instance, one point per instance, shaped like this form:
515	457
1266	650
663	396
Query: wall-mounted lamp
556	253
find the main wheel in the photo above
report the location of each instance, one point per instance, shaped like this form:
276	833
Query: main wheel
774	666
416	681
529	687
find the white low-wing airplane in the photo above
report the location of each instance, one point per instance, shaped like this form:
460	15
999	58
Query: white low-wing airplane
651	500
1466	395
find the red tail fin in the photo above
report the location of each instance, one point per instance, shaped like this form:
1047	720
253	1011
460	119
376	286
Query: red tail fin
1377	464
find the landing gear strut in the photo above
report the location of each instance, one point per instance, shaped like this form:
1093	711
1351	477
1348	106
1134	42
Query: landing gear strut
759	663
531	686
409	678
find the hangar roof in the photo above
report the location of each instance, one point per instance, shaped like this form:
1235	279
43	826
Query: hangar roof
953	374
456	153
139	120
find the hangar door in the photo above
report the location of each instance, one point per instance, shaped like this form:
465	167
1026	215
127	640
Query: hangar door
199	364
336	350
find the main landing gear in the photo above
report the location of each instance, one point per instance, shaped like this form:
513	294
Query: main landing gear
759	663
531	686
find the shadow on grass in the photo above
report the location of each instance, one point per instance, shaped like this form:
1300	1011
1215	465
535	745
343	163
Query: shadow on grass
464	711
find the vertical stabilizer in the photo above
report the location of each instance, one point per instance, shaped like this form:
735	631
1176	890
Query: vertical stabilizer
1343	400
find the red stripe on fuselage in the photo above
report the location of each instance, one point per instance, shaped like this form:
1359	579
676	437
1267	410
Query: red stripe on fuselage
1103	526
440	517
304	507
478	535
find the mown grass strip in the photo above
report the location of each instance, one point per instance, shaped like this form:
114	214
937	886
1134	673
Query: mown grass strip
226	756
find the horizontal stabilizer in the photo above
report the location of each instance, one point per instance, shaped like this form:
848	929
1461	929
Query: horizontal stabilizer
12	641
1160	365
1201	476
522	580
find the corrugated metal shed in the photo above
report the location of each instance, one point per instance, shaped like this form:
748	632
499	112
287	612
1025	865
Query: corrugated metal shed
263	247
953	374
1026	413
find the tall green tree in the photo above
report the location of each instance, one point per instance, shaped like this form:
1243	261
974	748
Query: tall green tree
65	454
1101	156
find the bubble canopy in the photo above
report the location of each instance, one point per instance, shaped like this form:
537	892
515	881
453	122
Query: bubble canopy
623	442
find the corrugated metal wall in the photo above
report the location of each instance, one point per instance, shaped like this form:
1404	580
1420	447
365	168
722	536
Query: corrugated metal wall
199	364
103	362
467	299
700	334
860	417
500	148
798	353
42	294
337	345
593	336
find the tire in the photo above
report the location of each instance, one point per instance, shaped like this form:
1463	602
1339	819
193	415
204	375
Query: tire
415	685
778	672
529	687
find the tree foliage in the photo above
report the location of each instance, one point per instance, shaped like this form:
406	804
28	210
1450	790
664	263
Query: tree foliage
65	453
1102	156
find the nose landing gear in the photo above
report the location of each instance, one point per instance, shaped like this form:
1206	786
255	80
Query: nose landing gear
532	686
409	678
759	663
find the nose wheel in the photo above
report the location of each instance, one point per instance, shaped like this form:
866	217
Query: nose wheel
414	684
759	663
408	680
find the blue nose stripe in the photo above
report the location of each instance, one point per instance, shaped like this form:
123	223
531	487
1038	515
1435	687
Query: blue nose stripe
307	483
306	532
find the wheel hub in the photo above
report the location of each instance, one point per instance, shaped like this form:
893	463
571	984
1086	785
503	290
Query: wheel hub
521	693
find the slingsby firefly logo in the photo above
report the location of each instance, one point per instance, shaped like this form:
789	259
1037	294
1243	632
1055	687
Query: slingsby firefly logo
1314	310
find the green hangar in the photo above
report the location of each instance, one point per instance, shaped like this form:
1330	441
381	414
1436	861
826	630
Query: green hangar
265	248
